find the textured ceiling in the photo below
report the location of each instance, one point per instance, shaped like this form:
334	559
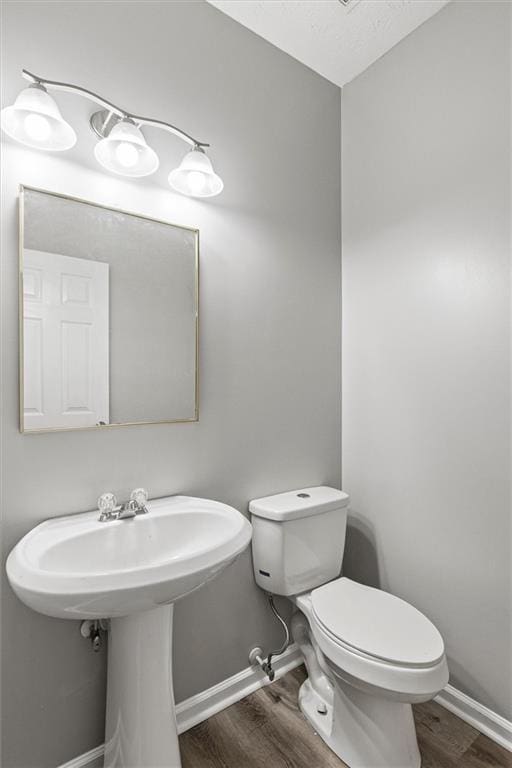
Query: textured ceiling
338	41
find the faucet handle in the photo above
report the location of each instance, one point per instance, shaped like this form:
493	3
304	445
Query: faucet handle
106	504
139	496
138	500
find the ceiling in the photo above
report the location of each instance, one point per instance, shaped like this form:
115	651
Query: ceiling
336	40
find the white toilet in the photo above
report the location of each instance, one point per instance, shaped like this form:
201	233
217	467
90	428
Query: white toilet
368	654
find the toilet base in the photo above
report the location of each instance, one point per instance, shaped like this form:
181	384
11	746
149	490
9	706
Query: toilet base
364	730
317	711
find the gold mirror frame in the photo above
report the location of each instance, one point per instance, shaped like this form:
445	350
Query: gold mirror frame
21	367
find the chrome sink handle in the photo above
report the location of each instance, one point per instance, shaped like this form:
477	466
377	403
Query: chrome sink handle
139	497
107	503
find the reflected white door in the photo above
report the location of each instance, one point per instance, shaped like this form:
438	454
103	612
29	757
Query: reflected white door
66	341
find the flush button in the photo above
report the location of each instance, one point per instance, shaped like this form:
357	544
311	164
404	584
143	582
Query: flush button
304	495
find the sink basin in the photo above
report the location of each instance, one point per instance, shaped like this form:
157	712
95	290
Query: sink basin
78	568
130	571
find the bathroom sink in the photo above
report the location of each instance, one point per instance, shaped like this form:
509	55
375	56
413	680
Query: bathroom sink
76	567
132	571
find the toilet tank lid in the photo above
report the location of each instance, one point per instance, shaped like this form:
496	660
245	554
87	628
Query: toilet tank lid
303	502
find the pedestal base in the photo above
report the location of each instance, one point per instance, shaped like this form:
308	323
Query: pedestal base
141	723
364	730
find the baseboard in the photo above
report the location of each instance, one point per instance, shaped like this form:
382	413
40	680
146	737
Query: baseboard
207	703
91	759
483	719
198	708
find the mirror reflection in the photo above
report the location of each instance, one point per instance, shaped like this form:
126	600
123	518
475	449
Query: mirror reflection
109	305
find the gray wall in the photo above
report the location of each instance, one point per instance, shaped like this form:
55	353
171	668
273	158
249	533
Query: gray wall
152	300
270	320
426	333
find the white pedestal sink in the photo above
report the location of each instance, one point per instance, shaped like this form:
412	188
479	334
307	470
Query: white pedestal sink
131	571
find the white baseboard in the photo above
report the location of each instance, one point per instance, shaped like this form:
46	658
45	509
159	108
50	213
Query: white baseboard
91	759
483	719
198	708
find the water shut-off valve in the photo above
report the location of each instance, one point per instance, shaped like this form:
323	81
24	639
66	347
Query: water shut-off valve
94	630
256	657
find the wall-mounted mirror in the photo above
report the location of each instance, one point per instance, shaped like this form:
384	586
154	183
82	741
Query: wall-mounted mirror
108	316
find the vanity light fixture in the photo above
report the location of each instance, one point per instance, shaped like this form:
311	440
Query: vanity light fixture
35	120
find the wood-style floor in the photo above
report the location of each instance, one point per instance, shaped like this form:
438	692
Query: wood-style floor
267	730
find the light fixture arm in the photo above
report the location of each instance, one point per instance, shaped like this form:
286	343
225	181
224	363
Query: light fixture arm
111	108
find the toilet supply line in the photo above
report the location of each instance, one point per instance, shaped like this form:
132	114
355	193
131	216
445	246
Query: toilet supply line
255	655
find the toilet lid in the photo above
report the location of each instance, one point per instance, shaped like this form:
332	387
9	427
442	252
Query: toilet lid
376	623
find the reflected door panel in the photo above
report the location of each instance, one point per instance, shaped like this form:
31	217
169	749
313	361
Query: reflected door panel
66	341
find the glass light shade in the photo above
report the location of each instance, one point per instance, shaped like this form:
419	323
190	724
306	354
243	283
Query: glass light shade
124	151
195	176
35	120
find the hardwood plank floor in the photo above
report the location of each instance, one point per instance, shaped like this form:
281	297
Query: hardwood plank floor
267	730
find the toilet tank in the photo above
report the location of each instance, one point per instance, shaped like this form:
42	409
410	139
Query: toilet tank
298	539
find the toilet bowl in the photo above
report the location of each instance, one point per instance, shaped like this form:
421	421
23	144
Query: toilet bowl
374	655
369	655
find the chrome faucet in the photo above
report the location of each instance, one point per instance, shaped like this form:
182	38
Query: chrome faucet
110	510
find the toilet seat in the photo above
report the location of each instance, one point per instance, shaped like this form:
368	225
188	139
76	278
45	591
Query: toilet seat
412	680
376	624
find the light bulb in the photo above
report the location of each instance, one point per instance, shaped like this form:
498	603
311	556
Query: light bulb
35	120
196	181
127	154
37	127
125	151
195	175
